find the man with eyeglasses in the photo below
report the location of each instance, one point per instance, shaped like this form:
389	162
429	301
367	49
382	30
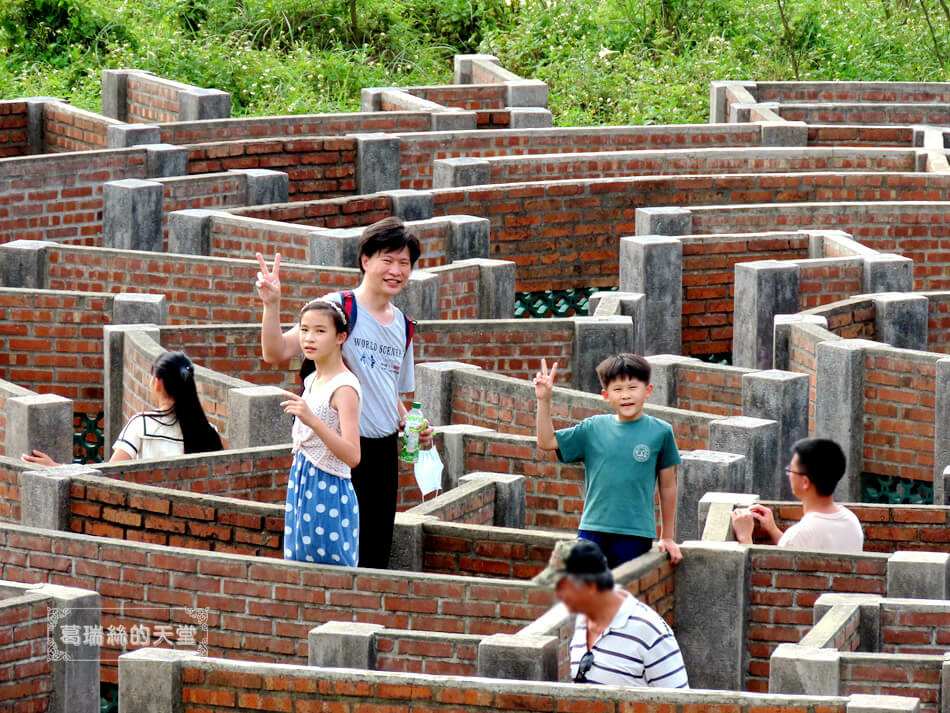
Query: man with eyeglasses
618	640
816	467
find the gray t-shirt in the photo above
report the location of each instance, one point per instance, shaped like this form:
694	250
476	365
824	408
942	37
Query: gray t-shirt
378	356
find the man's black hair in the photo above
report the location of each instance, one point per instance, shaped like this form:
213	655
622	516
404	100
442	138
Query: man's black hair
623	365
388	235
823	462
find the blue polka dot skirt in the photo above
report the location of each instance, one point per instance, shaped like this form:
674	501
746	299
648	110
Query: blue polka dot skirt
322	518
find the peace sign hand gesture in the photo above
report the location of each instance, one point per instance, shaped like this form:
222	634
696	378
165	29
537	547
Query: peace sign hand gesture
544	381
268	281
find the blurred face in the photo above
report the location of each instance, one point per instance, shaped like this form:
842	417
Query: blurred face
627	397
574	595
387	272
318	336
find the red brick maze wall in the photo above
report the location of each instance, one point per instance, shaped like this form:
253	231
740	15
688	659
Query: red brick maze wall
14	123
66	128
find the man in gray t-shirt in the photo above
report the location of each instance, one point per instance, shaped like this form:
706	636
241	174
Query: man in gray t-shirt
378	352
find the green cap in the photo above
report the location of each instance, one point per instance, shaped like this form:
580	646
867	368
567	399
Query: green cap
581	558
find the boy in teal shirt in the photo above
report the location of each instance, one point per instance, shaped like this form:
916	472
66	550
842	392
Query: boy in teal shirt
625	457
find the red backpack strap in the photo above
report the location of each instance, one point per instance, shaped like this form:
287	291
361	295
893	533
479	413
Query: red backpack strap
348	302
410	330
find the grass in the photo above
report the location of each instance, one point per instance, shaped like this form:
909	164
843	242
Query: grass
606	61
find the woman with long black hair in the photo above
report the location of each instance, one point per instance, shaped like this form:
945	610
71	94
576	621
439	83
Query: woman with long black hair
176	426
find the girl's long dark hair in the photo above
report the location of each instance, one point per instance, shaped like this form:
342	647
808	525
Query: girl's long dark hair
177	375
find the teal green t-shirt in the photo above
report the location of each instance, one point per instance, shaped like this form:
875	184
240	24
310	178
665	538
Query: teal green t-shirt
621	462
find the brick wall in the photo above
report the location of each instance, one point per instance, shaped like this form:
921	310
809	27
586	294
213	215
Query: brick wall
10	470
14	120
710	389
709	282
554	167
888	528
474	550
163	516
841	135
899	408
459	284
873	114
318	167
938	322
197	289
259	608
850	318
923	92
470	503
59	197
67	128
256	474
151	99
915	628
418	151
241	238
915	230
52	343
783	587
828	280
345	212
308	690
26	676
917	676
471	97
425	652
308	126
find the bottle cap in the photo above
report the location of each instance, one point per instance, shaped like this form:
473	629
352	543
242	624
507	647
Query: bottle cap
416	404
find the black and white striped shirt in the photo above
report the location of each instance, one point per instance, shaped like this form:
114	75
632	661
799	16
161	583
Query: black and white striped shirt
637	649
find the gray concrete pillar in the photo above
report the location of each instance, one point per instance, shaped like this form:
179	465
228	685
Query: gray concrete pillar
664	376
496	289
255	417
35	123
460	172
942	433
434	388
653	266
887	273
113	340
25	263
527	93
469	237
784	133
453	120
343	644
463	66
139	308
199	104
189	231
804	670
864	703
521	657
265	187
595	339
132	215
900	319
74	666
123	136
717	98
839	407
918	575
530	118
782	329
44	496
627	304
408	549
411	205
701	472
757	440
453	447
711	600
377	163
763	289
335	247
420	298
40	421
781	396
664	221
165	161
115	102
510	508
150	680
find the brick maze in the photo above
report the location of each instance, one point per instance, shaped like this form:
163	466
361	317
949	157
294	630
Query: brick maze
784	268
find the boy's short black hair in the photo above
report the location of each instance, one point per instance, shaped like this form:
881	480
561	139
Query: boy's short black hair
388	235
631	366
823	462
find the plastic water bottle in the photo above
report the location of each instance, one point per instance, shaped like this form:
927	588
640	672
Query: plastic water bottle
415	424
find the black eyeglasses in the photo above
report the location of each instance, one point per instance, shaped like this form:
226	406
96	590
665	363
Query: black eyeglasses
789	471
587	660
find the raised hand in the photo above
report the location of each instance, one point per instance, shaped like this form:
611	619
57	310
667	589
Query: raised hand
296	406
544	381
39	458
268	281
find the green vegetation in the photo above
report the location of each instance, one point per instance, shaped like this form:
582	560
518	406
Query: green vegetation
607	61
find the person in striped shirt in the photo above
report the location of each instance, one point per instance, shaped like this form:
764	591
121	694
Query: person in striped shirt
618	640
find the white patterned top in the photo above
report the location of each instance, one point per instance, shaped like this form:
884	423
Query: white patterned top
318	399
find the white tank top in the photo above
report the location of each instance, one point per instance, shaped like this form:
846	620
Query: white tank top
318	399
